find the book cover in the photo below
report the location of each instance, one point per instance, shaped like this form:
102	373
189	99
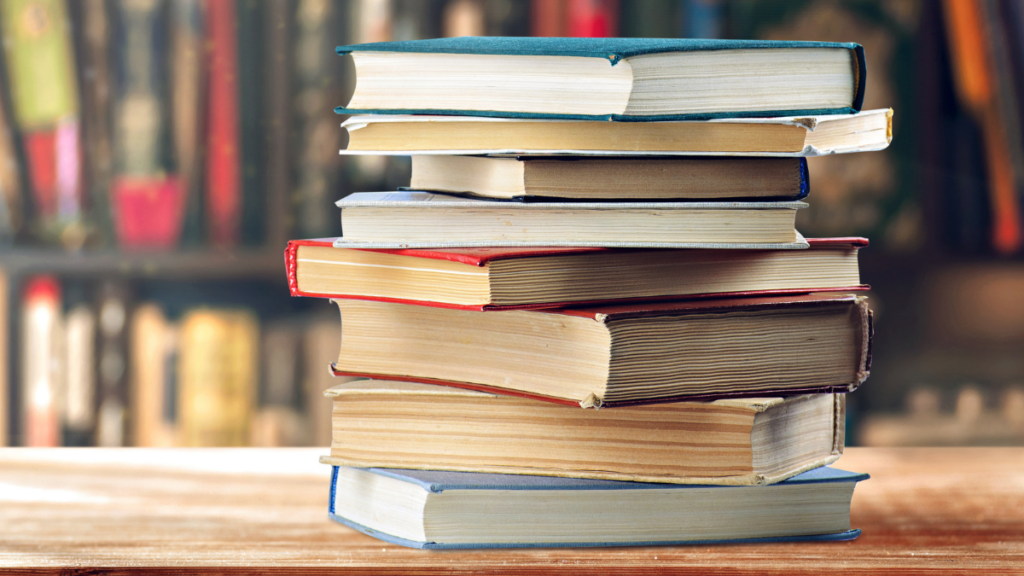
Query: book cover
614	50
453	483
480	257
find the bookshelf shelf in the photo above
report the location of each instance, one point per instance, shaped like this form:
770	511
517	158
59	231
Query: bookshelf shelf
181	265
264	511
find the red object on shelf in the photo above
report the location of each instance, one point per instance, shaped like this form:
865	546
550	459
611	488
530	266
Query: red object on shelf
148	212
592	18
223	166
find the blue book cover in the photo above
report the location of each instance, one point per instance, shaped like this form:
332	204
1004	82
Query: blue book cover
615	51
365	485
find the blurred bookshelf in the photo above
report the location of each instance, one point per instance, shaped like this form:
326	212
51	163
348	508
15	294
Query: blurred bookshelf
156	155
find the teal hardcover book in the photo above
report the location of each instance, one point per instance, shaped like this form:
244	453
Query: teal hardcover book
623	79
459	510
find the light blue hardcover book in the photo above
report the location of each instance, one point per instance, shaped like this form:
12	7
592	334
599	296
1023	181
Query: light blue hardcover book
445	510
627	79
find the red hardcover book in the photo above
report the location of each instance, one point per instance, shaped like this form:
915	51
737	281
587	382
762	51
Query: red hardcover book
619	354
223	177
522	278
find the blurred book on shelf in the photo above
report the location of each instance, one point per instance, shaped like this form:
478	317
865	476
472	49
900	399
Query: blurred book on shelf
41	70
41	366
217	377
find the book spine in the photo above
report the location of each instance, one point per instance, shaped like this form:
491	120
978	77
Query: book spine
188	71
6	405
317	164
547	18
252	113
80	375
278	78
223	171
146	199
973	74
93	25
153	354
41	390
112	383
217	377
321	341
40	65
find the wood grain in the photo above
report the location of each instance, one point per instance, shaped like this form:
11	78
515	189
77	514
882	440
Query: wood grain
235	511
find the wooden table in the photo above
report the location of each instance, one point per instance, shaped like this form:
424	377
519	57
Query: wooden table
247	510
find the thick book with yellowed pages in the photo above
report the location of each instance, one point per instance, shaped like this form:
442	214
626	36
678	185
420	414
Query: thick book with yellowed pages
786	136
618	354
379	423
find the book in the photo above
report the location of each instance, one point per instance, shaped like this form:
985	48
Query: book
315	170
41	362
508	278
320	341
252	105
188	98
44	95
781	136
606	78
79	413
217	377
147	197
152	377
426	220
93	26
593	178
112	343
445	510
618	354
380	423
223	161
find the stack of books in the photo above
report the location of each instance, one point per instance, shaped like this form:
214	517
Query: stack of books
590	320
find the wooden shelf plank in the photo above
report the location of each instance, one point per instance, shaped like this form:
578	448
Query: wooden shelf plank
265	510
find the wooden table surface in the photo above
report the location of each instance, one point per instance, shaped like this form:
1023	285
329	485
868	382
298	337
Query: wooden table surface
73	511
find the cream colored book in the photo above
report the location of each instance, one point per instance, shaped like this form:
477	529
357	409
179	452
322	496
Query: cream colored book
427	220
595	178
390	424
786	136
